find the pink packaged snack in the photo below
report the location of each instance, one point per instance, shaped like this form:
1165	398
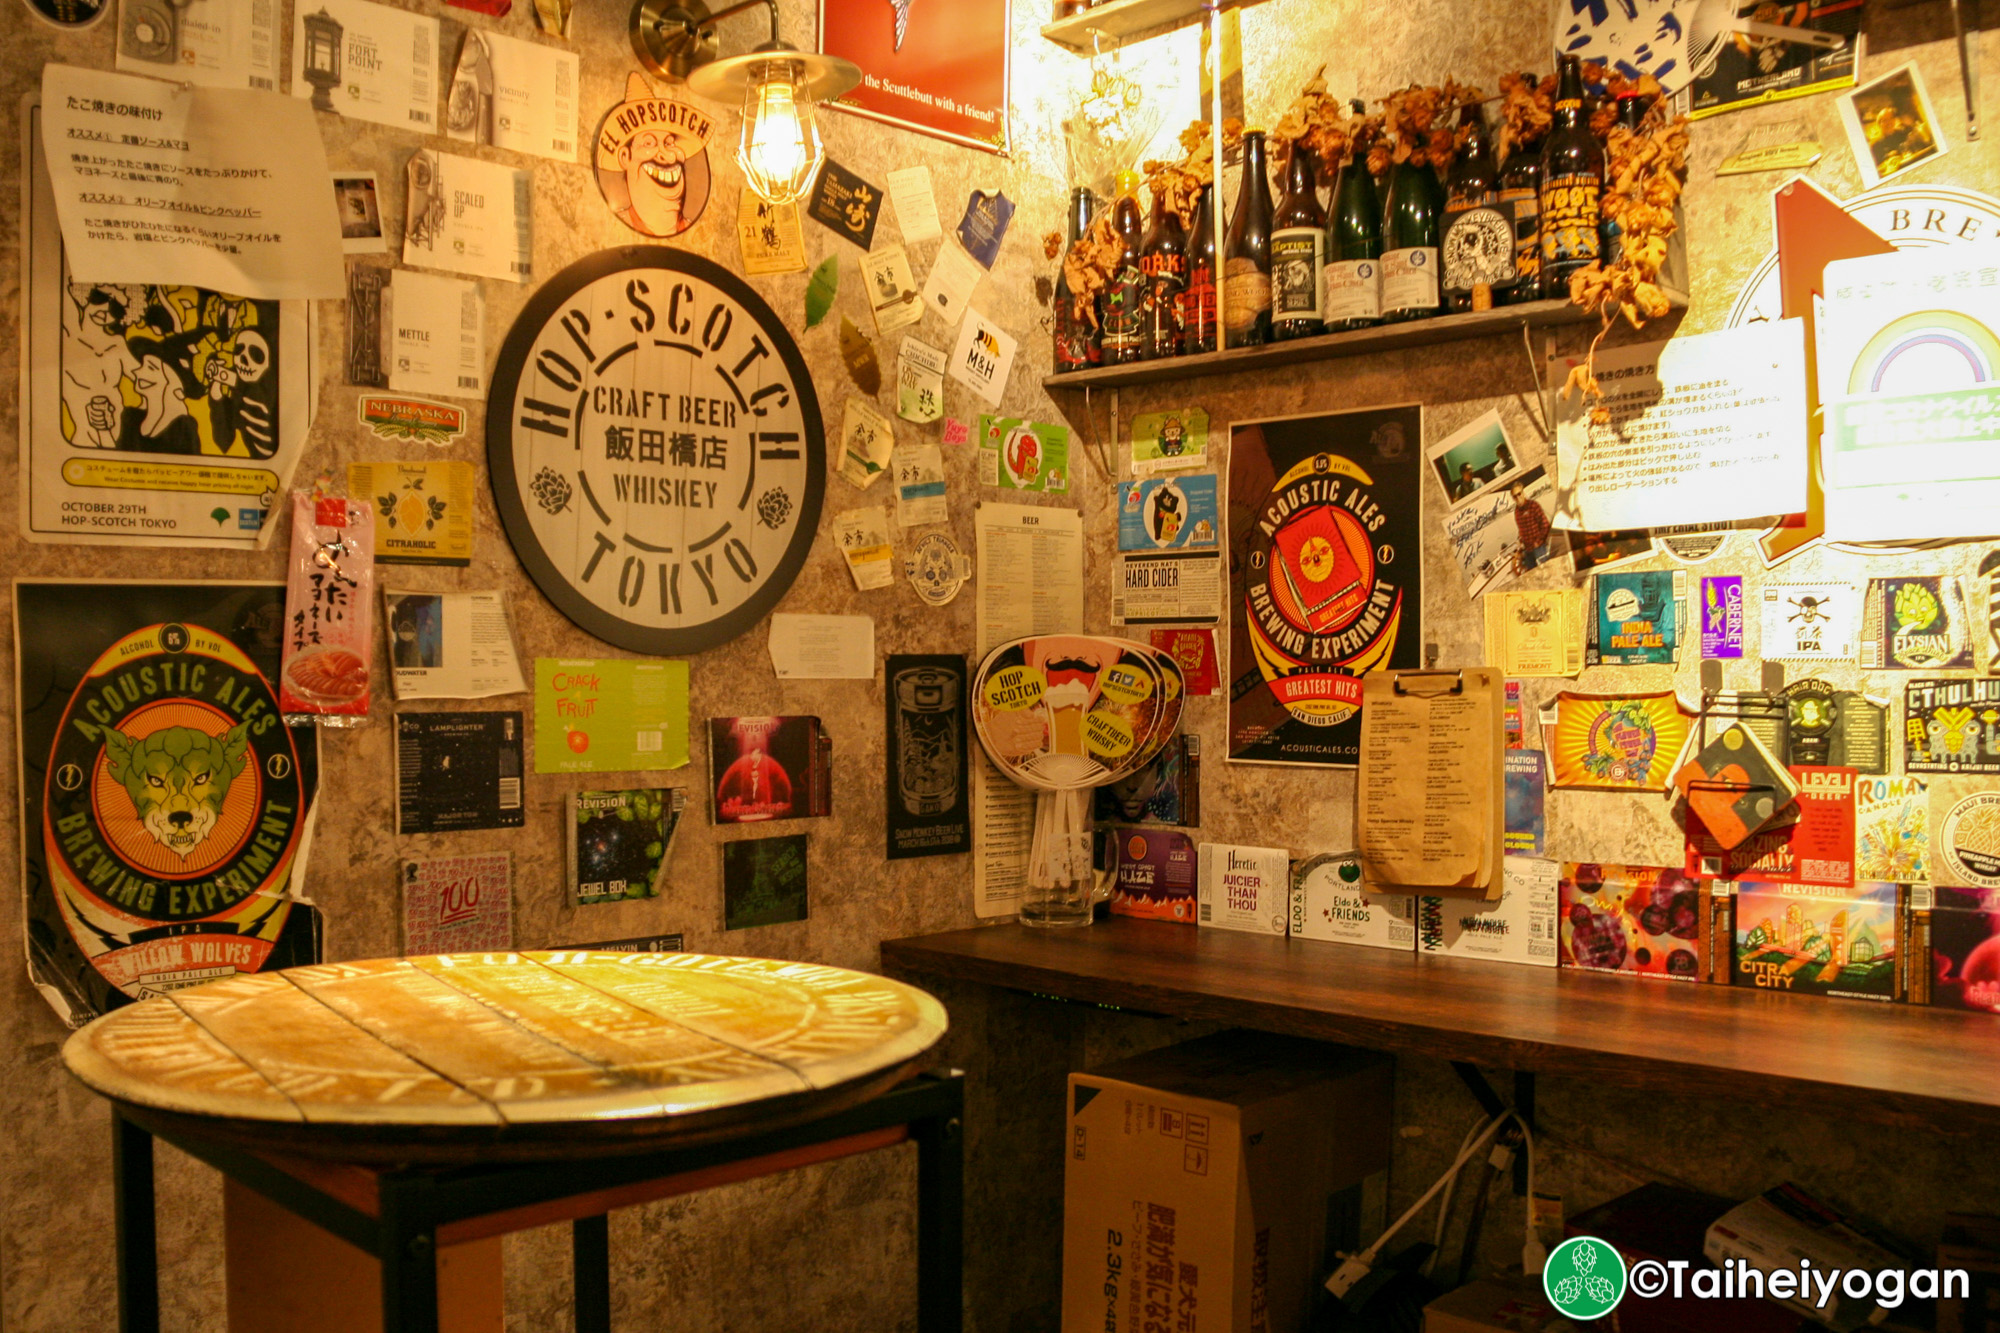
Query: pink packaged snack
329	612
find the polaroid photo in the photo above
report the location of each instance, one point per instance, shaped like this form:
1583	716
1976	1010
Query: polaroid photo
359	202
1475	460
1891	125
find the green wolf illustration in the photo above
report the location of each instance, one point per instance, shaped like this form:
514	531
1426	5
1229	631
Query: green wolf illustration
177	778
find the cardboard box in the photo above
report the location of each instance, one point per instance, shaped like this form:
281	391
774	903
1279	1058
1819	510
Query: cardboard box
1246	888
1328	904
1665	1223
1811	940
1512	1304
1198	1180
1961	935
1520	928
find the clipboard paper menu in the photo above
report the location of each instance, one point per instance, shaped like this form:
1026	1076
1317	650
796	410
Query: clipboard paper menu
1430	799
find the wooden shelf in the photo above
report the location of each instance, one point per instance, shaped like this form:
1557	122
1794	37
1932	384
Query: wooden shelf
1387	337
1894	1064
1118	19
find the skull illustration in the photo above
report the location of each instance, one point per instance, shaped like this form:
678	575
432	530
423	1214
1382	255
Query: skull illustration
253	356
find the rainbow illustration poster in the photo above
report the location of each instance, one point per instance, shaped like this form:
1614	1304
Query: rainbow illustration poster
1617	742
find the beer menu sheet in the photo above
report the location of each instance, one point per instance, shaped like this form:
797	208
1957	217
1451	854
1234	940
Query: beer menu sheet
1430	806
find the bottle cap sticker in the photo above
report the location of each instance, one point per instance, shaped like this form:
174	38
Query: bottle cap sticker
937	568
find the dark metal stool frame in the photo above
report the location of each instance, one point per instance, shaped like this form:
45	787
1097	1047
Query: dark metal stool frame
416	1201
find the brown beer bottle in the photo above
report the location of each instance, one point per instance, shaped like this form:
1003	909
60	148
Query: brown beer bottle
1478	239
1572	185
1125	296
1246	254
1163	258
1198	308
1298	253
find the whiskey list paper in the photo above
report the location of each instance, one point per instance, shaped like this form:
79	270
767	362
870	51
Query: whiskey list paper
1704	429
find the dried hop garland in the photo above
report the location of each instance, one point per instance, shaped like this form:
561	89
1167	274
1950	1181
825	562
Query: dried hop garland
1645	170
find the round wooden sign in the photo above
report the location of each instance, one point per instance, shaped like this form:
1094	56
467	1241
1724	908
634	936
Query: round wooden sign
656	449
508	1042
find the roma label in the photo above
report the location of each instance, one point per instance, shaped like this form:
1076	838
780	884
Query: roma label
656	448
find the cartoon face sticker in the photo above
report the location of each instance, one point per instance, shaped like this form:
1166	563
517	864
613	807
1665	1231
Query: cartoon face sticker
652	161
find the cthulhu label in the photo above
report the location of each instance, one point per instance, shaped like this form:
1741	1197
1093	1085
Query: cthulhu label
172	805
1326	573
1951	726
656	448
652	161
1916	624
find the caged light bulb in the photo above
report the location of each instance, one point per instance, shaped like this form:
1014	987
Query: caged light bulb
780	152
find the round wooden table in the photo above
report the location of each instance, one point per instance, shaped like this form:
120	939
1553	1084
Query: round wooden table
475	1085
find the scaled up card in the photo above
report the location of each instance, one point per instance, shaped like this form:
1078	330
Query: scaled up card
1810	621
1915	624
1635	619
1169	514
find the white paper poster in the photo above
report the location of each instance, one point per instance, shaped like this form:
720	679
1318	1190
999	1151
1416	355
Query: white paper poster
867	438
892	292
1813	622
125	439
213	43
384	63
509	93
1909	352
468	216
1030	572
437	335
916	206
953	277
451	645
211	187
920	486
1706	428
822	647
919	381
863	538
984	355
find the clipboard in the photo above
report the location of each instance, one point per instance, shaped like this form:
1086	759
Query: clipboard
1430	799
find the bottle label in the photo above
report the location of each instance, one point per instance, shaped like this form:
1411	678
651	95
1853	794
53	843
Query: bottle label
1198	306
1478	249
1410	279
1124	300
1569	220
1353	290
1527	211
1296	253
1246	294
1166	293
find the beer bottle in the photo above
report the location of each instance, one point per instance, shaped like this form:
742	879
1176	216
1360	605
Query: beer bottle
1631	111
1478	236
1125	294
1352	282
1164	260
1572	181
1246	253
1410	243
1521	200
1198	307
1298	250
1077	345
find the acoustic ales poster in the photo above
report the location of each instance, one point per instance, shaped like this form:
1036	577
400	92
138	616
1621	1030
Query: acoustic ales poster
1326	576
165	804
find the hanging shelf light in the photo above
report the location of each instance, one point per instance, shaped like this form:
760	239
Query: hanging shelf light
779	146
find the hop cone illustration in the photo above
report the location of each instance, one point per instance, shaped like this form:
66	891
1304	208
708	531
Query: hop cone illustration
1599	1289
1569	1290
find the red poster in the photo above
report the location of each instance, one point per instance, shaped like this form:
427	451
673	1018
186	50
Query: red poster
935	66
1818	849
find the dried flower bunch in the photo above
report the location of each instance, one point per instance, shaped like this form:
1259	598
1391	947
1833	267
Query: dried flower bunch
1527	109
1421	119
1322	125
1180	183
1645	170
1090	264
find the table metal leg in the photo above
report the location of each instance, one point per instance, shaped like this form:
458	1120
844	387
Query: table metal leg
408	1240
591	1242
941	1216
137	1239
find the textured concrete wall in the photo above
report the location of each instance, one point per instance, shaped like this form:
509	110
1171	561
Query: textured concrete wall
832	1248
